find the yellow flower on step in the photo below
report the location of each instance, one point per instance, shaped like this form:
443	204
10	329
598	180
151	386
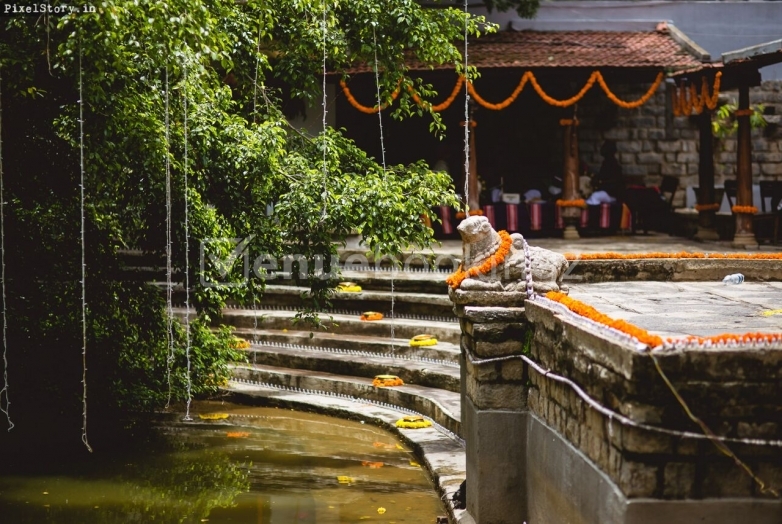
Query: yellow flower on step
342	479
348	287
381	510
413	422
387	381
423	340
213	416
772	312
239	343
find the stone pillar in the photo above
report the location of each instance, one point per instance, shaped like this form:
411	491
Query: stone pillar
570	215
706	197
494	400
745	237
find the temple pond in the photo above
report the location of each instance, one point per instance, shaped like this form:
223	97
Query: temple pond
266	465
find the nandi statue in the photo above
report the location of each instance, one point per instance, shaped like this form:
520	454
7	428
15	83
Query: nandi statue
495	261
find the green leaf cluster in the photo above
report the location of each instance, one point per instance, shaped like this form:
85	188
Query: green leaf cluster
194	88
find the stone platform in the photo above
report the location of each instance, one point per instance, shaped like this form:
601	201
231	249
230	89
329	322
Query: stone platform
688	308
618	244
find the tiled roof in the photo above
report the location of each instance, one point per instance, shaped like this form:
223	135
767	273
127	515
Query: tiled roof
587	49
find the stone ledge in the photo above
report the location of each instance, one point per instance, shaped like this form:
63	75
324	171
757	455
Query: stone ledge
672	269
487	298
490	314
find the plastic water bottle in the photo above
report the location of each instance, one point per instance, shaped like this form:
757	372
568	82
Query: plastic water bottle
736	278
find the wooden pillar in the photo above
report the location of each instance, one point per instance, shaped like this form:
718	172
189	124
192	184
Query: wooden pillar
706	193
745	237
570	215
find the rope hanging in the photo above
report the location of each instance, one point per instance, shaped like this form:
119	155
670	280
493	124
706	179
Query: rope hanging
466	120
383	158
323	102
4	406
169	268
83	265
529	76
187	254
257	67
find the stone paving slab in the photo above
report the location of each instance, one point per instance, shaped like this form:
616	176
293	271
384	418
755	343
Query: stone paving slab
688	308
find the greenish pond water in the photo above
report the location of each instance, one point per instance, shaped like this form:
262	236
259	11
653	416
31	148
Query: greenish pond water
258	466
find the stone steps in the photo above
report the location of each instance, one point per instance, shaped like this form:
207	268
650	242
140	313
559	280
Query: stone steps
405	302
441	375
369	278
360	343
342	324
441	406
443	456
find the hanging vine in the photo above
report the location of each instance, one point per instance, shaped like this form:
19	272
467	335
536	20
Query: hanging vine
4	405
83	263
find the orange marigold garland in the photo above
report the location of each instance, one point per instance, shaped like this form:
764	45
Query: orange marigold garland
473	212
707	207
572	203
505	103
442	106
733	338
490	263
364	109
686	99
654	341
587	311
636	103
683	254
529	76
711	101
747	210
563	103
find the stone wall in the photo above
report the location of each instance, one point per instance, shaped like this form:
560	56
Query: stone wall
735	392
652	143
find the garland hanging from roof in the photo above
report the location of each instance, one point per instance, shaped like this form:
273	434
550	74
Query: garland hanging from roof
529	76
686	98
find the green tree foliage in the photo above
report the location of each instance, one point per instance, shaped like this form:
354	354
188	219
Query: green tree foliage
215	62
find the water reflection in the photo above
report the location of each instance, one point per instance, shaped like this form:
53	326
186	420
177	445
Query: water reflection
260	465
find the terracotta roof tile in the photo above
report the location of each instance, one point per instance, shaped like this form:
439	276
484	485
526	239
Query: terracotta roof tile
587	49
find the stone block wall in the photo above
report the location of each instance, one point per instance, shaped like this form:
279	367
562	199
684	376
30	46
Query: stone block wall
735	392
651	142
